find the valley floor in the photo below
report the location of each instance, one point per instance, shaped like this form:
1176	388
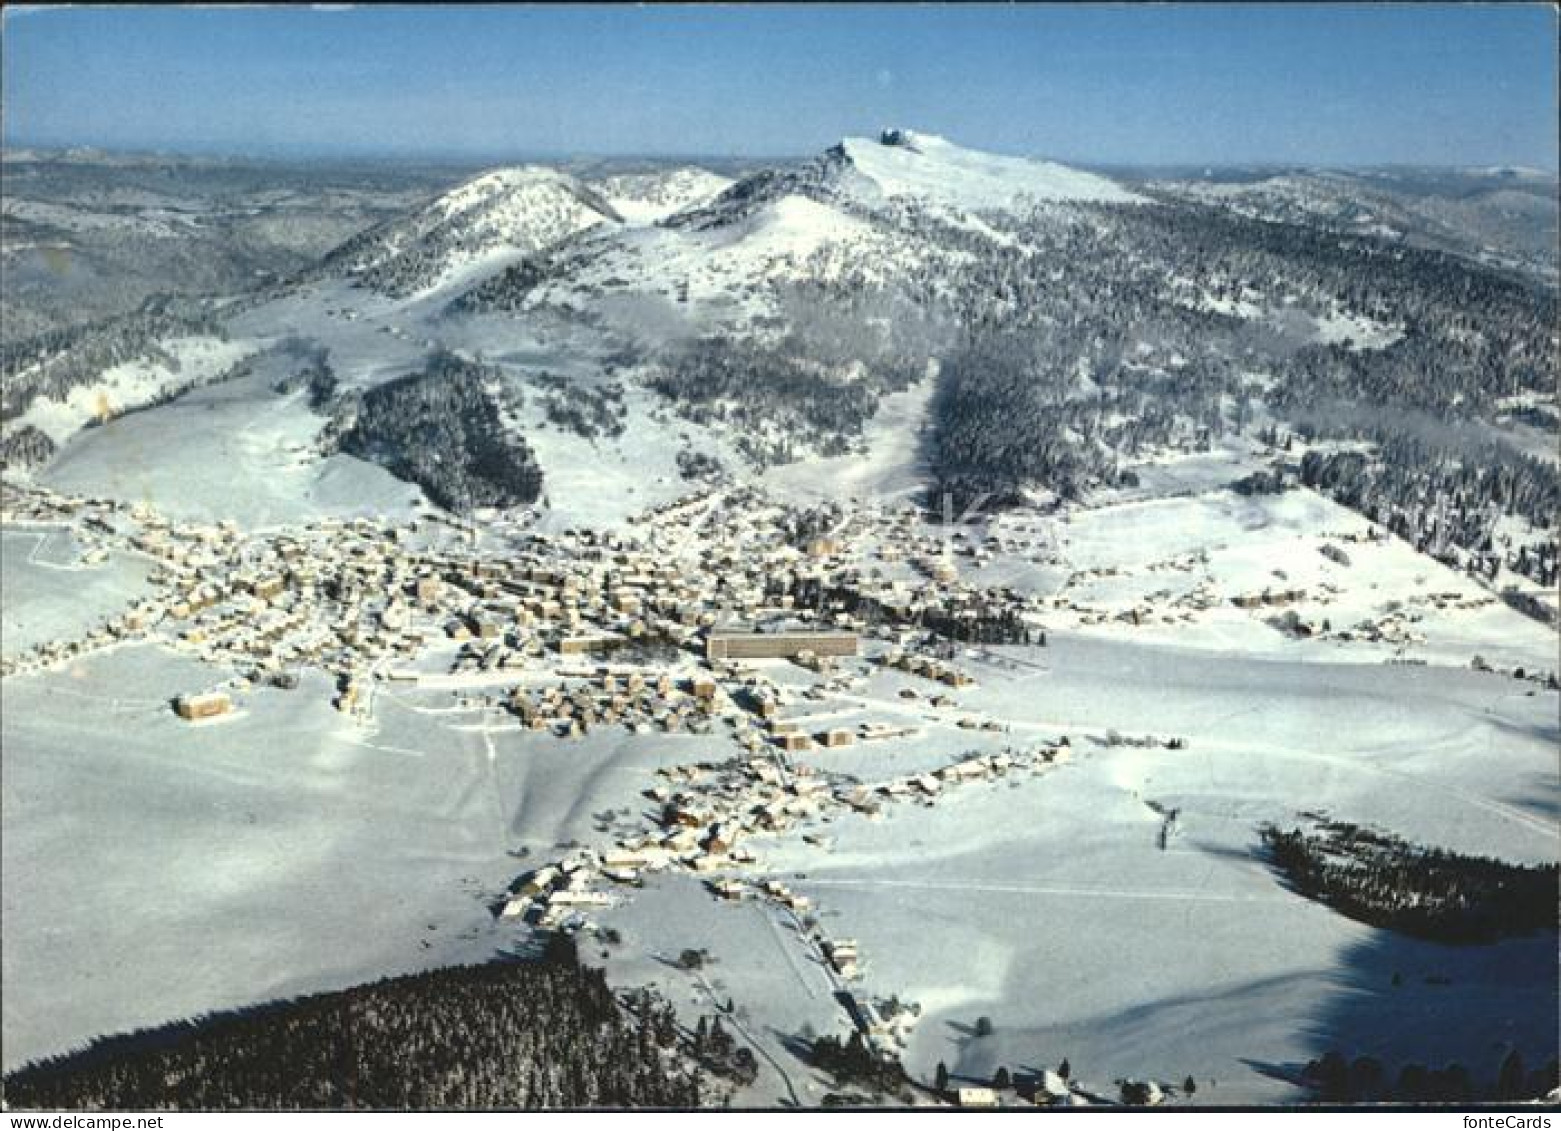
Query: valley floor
166	870
1112	910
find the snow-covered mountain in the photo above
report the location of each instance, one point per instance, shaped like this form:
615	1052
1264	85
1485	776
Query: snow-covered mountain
766	321
482	225
902	165
867	212
505	215
1506	218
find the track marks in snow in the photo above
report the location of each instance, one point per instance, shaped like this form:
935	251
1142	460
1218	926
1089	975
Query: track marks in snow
1066	890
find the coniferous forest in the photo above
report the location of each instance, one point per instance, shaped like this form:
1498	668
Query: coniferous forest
510	1034
442	429
1380	879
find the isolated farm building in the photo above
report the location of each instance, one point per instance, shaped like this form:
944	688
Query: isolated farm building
844	958
204	706
778	645
1047	1089
975	1097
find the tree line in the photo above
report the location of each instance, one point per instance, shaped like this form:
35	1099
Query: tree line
1380	879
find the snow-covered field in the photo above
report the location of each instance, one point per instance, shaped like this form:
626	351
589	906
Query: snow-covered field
135	383
50	592
1148	554
1045	904
236	450
165	869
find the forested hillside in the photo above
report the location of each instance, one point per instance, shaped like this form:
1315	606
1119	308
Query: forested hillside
443	428
57	361
504	1035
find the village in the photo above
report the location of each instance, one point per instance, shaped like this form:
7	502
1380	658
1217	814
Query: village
366	601
725	615
565	633
372	602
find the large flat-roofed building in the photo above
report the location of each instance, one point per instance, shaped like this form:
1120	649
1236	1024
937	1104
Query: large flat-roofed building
729	645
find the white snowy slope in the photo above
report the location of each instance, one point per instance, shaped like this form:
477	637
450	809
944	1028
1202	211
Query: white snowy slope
903	164
644	198
725	270
51	591
185	363
264	441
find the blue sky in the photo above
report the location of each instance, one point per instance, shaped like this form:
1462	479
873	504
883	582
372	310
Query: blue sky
1331	84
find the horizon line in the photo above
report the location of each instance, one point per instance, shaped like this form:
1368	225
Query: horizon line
309	154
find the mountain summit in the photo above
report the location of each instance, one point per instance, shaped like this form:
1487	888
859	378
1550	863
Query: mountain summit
481	225
903	163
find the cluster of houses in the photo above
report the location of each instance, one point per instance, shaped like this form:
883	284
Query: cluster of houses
1160	607
1392	628
364	601
631	632
710	819
928	667
1268	598
627	698
1046	1088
